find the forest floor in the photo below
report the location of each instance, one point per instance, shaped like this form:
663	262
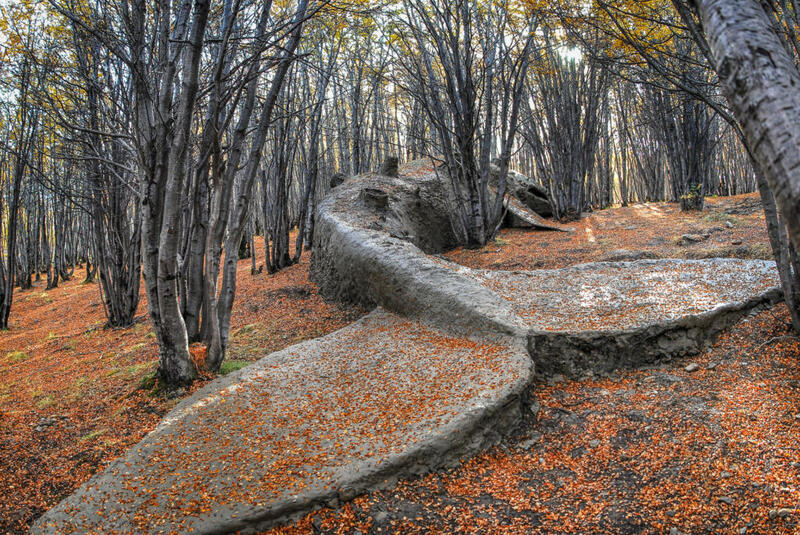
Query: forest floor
714	450
728	227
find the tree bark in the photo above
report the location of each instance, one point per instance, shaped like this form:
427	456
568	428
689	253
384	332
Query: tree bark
762	84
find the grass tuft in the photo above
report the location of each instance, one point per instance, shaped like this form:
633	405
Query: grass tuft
45	402
230	366
721	217
16	356
94	434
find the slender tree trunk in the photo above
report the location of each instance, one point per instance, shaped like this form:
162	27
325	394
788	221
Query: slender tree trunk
762	85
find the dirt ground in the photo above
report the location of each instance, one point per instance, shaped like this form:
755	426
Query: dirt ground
661	450
728	227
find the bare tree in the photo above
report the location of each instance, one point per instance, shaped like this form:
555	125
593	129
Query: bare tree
467	73
562	125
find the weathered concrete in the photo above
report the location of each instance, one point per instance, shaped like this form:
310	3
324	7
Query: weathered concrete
533	196
312	425
519	216
378	258
393	396
597	316
607	315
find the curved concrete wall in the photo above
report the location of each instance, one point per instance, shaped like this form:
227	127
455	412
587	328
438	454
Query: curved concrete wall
288	434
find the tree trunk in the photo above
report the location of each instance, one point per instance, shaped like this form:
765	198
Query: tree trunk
762	85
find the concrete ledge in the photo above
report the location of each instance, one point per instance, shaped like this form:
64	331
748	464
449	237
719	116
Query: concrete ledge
593	317
607	315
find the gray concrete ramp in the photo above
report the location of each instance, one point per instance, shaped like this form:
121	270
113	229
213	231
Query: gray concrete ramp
311	425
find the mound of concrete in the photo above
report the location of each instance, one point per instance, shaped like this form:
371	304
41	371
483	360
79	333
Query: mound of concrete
595	317
607	315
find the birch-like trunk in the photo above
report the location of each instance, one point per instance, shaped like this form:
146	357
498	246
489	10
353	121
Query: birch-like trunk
762	85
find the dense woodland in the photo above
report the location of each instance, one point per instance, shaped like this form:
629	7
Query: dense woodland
156	143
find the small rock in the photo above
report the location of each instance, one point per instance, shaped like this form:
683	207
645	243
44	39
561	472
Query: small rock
725	499
736	242
726	475
177	393
795	465
711	365
728	224
693	367
46	422
742	530
687	239
535	407
783	512
674	531
532	441
594	443
380	517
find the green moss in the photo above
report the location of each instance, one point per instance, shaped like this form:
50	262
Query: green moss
230	366
79	387
149	381
721	217
94	434
45	402
246	329
136	369
16	356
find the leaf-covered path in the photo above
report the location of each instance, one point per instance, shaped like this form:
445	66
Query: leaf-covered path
320	421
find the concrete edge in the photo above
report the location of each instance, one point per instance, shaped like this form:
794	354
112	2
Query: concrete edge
558	352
